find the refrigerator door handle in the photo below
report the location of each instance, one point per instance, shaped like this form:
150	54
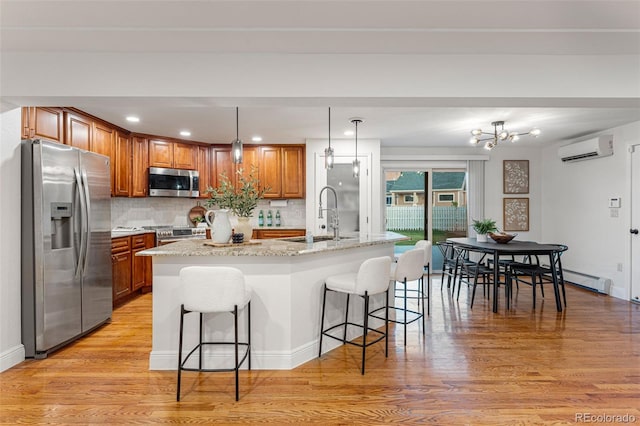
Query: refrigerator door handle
87	228
83	242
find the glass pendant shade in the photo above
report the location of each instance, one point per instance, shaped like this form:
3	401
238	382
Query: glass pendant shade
356	168
236	151
328	152
328	158
236	145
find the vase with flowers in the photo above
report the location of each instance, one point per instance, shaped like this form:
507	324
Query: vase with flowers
240	199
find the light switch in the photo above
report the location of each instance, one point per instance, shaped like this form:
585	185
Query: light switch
614	203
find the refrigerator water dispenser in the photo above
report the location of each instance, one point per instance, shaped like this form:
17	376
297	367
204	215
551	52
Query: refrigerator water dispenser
61	225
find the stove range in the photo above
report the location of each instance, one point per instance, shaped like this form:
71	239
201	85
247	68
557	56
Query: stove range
168	233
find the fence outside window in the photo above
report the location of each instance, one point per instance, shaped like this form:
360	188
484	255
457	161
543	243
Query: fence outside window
445	218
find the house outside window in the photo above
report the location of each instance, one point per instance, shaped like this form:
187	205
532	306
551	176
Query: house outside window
389	200
408	198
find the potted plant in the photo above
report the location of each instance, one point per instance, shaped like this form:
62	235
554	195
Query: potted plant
483	227
241	199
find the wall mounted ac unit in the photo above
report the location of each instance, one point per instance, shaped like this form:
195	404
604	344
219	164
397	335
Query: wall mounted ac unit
602	146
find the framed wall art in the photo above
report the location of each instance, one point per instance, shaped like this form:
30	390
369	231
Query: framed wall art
516	214
515	175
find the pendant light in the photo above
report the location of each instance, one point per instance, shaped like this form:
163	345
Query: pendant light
236	145
356	162
328	152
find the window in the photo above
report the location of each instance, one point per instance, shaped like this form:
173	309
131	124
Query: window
446	198
408	198
389	200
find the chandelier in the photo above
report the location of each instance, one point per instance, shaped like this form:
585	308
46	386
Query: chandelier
499	134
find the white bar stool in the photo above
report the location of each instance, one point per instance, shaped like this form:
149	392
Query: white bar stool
214	289
372	278
410	267
427	247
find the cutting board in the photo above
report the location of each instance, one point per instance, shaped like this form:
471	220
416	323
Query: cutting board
246	243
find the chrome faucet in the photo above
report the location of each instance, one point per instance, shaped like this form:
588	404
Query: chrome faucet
335	221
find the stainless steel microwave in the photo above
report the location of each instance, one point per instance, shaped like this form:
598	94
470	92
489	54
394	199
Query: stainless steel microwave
173	183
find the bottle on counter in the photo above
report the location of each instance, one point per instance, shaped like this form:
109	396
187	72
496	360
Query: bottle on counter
269	218
277	217
261	218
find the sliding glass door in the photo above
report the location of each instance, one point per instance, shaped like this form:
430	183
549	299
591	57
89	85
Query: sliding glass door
428	204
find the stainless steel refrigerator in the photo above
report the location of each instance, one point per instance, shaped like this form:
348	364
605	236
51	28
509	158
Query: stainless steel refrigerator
66	245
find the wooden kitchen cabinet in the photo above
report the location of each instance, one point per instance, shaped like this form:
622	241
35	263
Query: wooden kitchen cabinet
43	122
160	153
131	274
172	155
103	142
122	165
78	130
293	172
139	166
271	171
282	170
221	162
277	233
121	267
185	156
204	170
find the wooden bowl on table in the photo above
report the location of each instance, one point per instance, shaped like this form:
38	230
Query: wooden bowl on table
501	237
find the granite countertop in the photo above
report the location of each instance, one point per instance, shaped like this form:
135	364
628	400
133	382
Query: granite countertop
273	247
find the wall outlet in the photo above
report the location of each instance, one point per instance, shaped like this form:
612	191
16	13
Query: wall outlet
619	266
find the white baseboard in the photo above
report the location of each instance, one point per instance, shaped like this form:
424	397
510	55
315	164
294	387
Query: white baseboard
11	357
168	360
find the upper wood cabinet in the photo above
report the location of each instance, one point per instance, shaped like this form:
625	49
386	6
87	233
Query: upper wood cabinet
204	170
103	142
222	164
139	166
176	155
43	122
282	171
271	171
185	156
293	172
78	130
122	165
160	153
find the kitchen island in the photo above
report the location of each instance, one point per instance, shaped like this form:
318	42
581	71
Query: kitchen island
286	276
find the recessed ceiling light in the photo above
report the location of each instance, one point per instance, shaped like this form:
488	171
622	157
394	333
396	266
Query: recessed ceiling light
133	119
349	133
185	133
257	138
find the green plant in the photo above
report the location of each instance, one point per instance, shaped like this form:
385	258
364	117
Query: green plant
240	200
484	226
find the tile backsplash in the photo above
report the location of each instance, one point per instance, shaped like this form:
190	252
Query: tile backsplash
174	211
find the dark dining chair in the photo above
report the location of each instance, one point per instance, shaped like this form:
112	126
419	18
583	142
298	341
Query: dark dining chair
473	273
537	273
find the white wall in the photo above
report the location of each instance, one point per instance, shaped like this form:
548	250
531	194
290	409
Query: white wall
11	349
576	212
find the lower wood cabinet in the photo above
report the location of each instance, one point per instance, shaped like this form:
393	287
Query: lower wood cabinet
131	274
277	233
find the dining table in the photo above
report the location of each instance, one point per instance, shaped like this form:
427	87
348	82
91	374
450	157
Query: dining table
512	248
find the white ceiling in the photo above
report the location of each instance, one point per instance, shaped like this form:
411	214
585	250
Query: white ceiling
476	27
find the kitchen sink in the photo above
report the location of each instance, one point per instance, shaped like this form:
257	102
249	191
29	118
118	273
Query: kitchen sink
316	238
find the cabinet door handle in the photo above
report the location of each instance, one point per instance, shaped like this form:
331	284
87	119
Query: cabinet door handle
634	231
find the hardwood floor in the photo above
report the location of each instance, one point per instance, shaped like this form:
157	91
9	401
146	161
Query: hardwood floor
473	367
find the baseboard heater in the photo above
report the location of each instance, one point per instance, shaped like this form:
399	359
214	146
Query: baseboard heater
589	282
